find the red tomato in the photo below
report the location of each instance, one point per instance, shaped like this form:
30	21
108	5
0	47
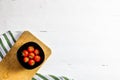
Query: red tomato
30	49
25	59
25	53
31	62
36	51
31	55
37	58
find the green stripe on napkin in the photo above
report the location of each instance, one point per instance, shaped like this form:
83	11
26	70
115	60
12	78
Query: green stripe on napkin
34	79
54	77
1	54
1	43
65	78
41	76
12	36
7	40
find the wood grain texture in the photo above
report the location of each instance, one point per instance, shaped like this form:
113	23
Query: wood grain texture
11	69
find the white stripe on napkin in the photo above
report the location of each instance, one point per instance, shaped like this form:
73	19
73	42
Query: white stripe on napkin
0	58
16	34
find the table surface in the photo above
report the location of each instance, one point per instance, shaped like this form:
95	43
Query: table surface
83	34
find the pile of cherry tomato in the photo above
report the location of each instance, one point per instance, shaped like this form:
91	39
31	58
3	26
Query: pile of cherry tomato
31	56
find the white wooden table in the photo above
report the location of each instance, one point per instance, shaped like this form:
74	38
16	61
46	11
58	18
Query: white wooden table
83	34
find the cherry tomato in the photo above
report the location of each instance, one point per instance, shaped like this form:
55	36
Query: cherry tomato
37	58
36	51
31	62
31	55
25	59
25	53
30	49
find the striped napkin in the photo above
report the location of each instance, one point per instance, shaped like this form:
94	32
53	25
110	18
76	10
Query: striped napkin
7	40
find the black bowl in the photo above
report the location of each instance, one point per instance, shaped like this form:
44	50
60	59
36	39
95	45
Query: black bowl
24	47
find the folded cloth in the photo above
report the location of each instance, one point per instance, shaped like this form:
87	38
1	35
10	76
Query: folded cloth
7	40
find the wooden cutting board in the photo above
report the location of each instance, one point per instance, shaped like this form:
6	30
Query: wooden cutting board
11	69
